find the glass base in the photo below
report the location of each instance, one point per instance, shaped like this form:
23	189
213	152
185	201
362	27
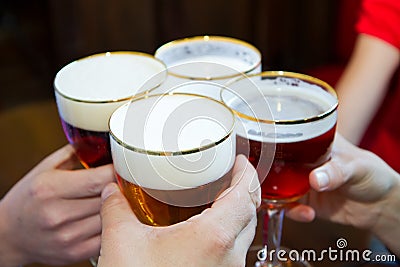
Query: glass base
255	253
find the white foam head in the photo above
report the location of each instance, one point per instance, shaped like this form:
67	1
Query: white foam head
90	89
172	142
299	110
208	59
210	51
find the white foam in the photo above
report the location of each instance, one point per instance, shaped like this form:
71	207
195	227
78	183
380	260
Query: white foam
283	103
237	55
211	60
170	124
209	66
104	79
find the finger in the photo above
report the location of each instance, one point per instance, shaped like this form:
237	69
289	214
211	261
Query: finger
83	183
300	212
236	208
63	158
85	249
77	231
339	169
245	239
115	208
245	177
70	210
330	176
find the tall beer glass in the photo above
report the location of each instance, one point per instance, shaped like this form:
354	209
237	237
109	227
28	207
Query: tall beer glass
173	154
300	121
88	90
206	59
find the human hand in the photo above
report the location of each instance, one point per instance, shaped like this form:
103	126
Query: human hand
219	236
52	215
357	188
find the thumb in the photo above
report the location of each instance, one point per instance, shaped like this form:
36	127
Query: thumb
115	209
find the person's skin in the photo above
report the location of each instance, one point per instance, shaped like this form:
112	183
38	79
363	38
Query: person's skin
366	78
219	236
52	215
356	188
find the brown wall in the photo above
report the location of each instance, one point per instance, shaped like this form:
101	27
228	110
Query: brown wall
40	36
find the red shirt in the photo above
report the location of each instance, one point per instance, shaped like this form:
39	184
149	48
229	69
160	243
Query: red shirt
381	18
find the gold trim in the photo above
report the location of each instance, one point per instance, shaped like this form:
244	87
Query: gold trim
300	76
111	100
207	38
174	153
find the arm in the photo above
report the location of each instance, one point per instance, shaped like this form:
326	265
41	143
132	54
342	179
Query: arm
219	236
52	214
363	85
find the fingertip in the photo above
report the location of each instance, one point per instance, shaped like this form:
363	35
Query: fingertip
240	162
320	180
301	213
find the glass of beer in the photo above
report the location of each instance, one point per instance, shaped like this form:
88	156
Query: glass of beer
173	154
206	59
293	115
88	90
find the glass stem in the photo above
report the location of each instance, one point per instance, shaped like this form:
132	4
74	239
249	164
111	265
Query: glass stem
273	219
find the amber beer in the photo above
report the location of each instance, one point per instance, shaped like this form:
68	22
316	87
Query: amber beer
173	155
88	90
296	134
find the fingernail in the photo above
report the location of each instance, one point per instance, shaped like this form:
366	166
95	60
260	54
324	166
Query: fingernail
323	180
108	191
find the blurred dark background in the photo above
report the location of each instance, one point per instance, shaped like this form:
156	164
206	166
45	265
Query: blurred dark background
37	38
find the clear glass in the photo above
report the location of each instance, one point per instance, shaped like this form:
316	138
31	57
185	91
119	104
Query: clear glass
286	126
173	154
206	59
88	90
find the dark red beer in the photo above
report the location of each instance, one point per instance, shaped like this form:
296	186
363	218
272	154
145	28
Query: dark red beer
288	177
286	127
91	147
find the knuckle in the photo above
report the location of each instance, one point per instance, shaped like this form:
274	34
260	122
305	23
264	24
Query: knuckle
50	218
95	185
73	254
64	239
221	241
40	189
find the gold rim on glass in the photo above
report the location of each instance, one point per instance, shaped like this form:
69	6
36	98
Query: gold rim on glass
208	38
174	153
106	54
276	74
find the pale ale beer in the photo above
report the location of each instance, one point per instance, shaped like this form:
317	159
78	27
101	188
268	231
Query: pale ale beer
206	60
299	126
88	90
172	154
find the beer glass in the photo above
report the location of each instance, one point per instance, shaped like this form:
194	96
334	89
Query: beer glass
172	154
293	115
88	90
210	59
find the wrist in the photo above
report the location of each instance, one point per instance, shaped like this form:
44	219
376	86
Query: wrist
9	255
388	221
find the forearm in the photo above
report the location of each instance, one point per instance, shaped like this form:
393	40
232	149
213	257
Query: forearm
363	85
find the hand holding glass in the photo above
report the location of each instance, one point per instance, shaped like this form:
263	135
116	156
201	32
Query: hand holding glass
286	126
172	154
